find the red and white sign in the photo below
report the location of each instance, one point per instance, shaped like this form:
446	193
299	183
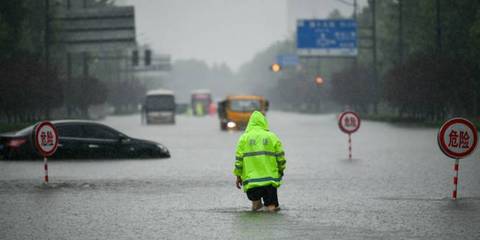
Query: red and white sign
46	138
457	138
349	122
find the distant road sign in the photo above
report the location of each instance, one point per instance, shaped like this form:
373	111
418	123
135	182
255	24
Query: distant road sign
349	122
457	138
46	138
97	29
333	37
288	60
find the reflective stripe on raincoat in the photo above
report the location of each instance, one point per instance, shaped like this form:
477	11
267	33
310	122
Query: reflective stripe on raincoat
260	159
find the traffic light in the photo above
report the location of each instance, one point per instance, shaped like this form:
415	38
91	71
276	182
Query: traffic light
319	80
148	57
135	57
276	67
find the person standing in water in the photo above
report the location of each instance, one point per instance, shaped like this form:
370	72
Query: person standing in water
259	163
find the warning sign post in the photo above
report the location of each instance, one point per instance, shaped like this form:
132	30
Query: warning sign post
457	138
349	122
46	142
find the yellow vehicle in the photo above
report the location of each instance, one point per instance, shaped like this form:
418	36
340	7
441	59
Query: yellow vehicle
234	112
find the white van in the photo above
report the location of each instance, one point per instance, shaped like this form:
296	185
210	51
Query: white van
159	107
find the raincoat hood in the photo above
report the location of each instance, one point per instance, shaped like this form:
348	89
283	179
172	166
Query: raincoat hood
257	120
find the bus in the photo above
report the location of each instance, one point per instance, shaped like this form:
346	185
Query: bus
234	112
159	107
201	100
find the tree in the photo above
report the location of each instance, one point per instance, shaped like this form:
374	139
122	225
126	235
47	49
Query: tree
353	87
27	94
428	87
28	89
125	95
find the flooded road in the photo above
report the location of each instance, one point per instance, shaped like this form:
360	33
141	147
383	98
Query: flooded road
397	186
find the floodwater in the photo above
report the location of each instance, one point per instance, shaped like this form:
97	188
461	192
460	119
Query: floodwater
397	186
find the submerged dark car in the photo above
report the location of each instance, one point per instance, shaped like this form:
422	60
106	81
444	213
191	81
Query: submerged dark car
79	139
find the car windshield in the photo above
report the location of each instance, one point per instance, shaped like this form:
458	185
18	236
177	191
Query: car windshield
245	105
100	132
25	131
159	102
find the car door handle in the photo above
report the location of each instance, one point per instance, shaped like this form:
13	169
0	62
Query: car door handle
93	146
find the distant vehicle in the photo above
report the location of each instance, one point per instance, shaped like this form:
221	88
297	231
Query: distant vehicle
159	107
234	112
79	139
181	108
201	100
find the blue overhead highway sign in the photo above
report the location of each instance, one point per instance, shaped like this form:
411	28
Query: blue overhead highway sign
333	37
287	60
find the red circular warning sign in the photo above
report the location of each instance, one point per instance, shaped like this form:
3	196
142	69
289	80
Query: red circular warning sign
349	122
457	138
46	138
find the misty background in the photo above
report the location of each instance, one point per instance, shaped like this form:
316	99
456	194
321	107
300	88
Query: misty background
215	44
417	60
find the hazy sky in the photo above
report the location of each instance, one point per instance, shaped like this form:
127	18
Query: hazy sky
217	31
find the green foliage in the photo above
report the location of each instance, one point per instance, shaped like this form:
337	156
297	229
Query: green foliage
25	92
353	87
424	88
439	75
123	95
85	92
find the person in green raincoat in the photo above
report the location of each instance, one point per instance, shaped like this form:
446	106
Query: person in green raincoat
259	163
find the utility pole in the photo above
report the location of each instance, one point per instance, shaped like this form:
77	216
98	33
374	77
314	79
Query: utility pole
69	82
83	85
69	72
439	27
355	17
85	55
47	50
400	31
374	56
355	10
